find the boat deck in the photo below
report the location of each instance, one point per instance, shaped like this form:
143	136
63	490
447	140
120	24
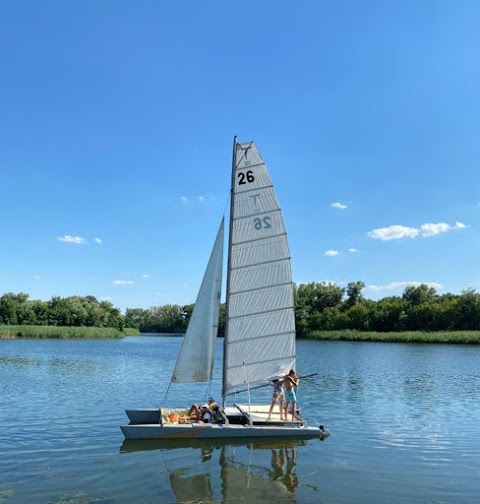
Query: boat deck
258	414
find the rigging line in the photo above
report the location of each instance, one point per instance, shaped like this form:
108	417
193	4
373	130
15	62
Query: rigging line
235	392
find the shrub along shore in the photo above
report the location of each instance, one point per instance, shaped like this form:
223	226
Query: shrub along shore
32	331
459	337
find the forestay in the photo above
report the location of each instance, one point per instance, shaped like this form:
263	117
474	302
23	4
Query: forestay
195	361
260	342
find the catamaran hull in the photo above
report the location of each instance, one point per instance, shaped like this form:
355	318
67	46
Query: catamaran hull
144	416
213	431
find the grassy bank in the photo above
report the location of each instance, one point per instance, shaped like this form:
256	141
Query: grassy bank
25	331
464	337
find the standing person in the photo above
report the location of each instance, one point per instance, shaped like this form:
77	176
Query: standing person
291	382
277	395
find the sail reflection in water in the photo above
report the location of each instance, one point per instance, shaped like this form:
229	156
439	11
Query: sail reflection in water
229	473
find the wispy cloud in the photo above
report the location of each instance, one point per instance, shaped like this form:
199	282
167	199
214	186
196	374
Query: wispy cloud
442	227
97	240
196	199
396	232
393	233
338	205
352	250
37	277
401	285
123	282
77	240
332	253
145	276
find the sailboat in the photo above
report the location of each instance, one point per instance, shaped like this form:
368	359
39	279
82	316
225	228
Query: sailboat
259	343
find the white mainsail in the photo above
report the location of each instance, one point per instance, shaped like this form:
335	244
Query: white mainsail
195	361
260	340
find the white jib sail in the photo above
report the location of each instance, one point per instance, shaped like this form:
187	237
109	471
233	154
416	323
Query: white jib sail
195	361
261	322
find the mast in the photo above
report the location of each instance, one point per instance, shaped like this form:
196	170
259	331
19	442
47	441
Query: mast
225	338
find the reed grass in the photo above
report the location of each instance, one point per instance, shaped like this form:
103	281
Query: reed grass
460	337
26	331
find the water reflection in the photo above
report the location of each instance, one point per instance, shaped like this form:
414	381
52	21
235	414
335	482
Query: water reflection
215	471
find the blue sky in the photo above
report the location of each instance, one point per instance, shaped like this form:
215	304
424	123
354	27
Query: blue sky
116	127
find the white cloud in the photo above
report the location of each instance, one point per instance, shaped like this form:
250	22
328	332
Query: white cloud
123	282
97	240
397	232
340	206
332	253
431	229
77	240
352	250
394	232
201	199
184	200
37	277
401	285
145	276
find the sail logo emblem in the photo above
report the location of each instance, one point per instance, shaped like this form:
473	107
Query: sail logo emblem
246	149
255	201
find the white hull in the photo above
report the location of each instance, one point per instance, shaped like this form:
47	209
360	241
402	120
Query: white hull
243	421
211	431
144	416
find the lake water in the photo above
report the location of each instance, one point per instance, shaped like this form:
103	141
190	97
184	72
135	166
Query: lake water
404	423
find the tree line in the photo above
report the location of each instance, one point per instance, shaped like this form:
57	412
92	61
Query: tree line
318	307
74	311
327	307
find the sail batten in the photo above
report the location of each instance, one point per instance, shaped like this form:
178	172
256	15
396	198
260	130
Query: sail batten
262	362
256	289
280	235
260	337
260	343
195	361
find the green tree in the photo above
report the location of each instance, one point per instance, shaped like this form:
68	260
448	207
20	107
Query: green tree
468	310
418	294
354	293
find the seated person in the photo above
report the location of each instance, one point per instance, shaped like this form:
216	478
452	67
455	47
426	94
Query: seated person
214	408
200	414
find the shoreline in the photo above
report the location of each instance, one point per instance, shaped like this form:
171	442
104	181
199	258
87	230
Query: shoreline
56	332
446	337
